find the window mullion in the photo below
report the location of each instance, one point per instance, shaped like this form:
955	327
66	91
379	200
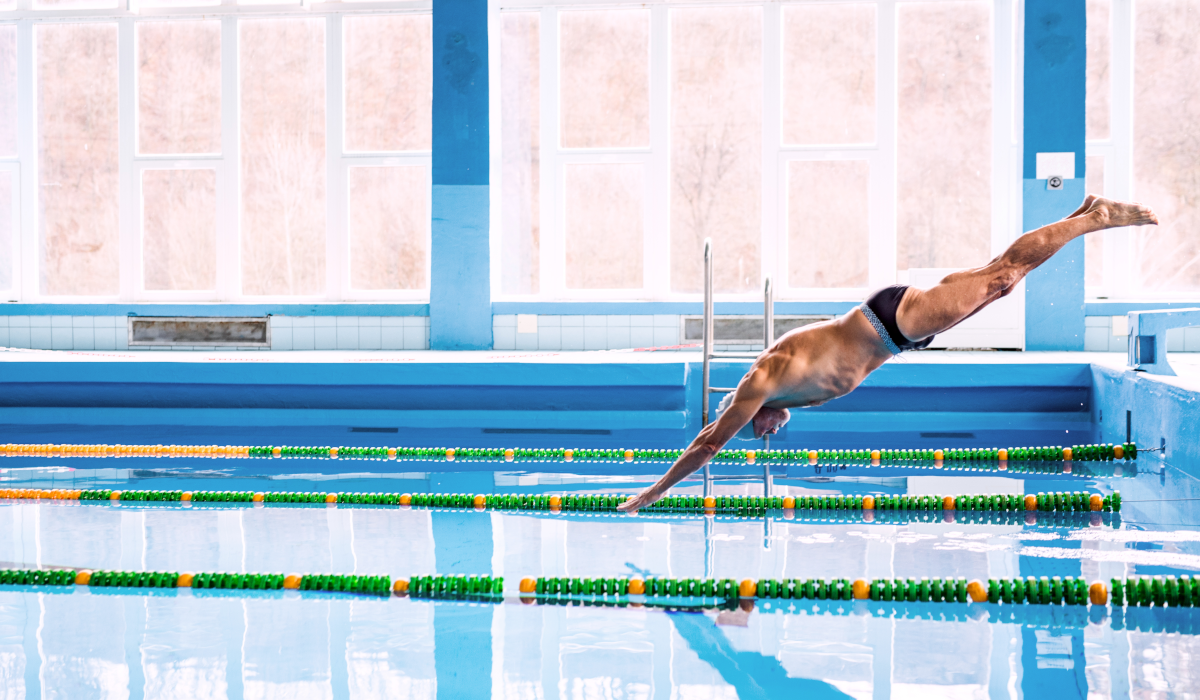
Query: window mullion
881	268
25	237
772	246
1003	232
130	207
228	249
337	244
657	241
553	257
1118	169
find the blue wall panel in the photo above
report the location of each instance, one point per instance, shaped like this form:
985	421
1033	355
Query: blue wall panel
460	286
1055	82
1054	299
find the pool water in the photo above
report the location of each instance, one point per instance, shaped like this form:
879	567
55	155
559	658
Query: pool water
79	642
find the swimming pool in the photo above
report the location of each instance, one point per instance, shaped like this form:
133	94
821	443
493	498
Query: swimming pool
96	641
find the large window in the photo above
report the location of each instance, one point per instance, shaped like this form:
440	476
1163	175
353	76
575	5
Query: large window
1143	107
254	152
832	146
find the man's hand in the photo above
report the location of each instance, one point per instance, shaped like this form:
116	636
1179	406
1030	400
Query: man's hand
643	499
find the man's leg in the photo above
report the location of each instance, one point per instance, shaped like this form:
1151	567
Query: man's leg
923	313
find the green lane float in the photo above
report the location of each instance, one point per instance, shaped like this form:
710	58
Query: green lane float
1134	592
1016	458
738	506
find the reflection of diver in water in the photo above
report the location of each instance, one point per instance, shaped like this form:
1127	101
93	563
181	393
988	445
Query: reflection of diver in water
753	675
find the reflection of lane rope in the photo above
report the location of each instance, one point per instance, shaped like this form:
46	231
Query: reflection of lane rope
743	506
1136	591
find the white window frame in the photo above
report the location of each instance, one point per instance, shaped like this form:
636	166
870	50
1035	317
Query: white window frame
25	243
1007	46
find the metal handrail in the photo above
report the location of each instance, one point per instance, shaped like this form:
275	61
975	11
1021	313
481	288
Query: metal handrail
709	354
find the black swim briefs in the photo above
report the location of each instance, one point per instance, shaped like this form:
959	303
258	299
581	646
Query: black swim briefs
880	310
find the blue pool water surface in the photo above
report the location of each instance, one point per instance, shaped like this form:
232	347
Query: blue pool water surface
213	644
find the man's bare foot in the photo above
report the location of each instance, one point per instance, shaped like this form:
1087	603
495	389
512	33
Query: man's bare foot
770	420
1114	214
1087	204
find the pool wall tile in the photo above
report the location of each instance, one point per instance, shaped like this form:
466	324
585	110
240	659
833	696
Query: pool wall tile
18	337
61	338
280	322
391	338
1175	340
325	337
1191	339
324	321
504	337
39	338
549	337
18	321
415	338
60	321
641	320
1095	338
4	342
571	321
347	337
527	341
304	338
666	335
504	321
39	321
370	338
303	322
641	336
281	338
106	338
572	337
595	338
618	337
83	339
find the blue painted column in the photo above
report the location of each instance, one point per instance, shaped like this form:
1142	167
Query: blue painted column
460	303
1055	82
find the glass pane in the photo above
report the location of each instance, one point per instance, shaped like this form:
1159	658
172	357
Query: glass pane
604	204
7	191
389	83
716	146
519	151
944	129
179	87
1093	246
77	157
828	74
8	90
389	227
73	4
604	79
177	3
179	229
1099	59
282	65
828	223
1166	153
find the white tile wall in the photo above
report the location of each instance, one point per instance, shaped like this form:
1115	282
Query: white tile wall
617	332
287	333
1098	337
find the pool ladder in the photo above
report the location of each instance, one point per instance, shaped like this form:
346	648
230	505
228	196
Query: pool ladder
709	354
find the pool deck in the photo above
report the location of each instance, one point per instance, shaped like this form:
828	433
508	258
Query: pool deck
646	396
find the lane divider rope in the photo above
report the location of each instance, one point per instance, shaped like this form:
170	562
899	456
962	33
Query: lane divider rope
992	456
1136	591
742	506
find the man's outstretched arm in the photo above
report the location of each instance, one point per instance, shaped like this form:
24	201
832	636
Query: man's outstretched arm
747	400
